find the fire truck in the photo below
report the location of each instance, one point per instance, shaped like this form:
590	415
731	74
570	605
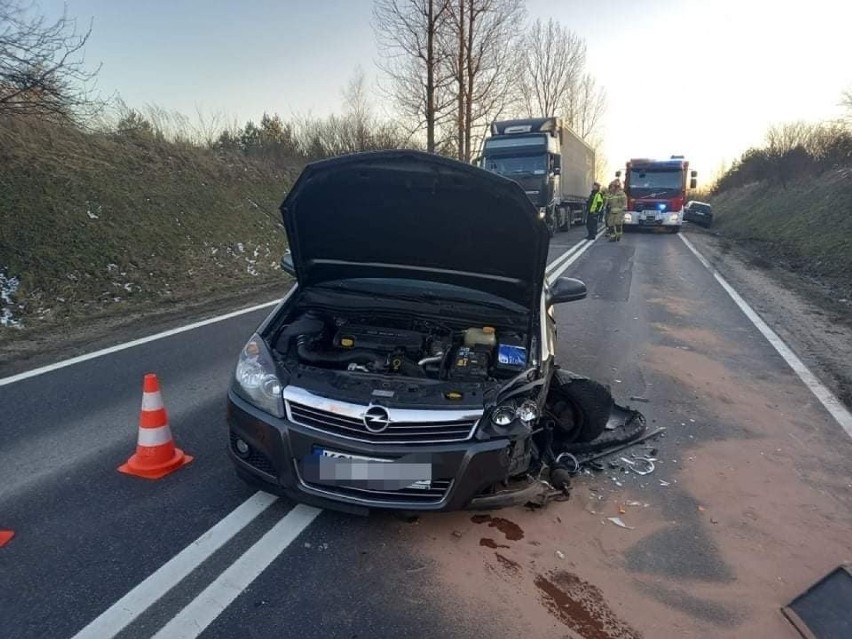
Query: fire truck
657	192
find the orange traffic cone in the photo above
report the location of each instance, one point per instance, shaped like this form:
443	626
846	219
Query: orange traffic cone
156	455
6	537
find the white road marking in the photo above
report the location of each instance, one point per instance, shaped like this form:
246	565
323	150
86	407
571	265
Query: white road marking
831	403
124	611
558	261
126	345
213	600
575	255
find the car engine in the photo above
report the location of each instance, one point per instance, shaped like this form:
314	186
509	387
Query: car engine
406	347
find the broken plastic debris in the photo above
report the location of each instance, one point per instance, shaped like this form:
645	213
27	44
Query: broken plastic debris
617	381
618	522
664	483
560	554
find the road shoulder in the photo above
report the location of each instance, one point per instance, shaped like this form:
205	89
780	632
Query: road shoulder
813	322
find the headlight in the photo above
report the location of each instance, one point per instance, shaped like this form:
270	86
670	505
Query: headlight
628	217
673	217
255	379
503	415
527	412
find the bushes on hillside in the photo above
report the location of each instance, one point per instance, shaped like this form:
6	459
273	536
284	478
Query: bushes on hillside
791	150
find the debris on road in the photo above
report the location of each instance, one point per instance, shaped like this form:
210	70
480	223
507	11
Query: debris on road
663	482
560	554
620	523
639	398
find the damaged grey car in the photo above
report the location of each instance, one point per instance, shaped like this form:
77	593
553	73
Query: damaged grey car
412	365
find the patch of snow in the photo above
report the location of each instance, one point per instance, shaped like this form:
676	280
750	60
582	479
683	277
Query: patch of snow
241	247
8	287
112	267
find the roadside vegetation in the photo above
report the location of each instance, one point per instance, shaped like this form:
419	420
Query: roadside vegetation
790	201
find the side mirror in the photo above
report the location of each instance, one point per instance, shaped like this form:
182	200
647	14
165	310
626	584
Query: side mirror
556	170
693	183
567	289
694	174
287	264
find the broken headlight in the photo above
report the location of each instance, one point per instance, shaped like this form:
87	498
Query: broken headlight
527	412
255	379
505	414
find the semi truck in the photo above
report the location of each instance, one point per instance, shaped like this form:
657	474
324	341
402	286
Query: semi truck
657	192
555	167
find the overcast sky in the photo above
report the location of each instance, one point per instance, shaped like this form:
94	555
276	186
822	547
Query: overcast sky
701	78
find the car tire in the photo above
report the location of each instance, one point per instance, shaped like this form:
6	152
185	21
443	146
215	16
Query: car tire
675	230
582	408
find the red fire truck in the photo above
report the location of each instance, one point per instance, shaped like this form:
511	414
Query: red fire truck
657	192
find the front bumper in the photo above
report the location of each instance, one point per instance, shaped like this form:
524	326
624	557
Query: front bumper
639	219
282	460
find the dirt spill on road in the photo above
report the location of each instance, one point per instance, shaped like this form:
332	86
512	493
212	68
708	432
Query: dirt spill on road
490	543
512	531
581	606
691	337
512	566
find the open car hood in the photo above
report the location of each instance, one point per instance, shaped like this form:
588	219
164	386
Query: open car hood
409	214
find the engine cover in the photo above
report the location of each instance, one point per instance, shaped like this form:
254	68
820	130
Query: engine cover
379	339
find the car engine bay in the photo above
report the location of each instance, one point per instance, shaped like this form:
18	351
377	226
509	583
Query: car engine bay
395	346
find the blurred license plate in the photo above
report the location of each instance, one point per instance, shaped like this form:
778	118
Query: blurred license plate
390	473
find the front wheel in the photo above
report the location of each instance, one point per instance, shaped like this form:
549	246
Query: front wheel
674	229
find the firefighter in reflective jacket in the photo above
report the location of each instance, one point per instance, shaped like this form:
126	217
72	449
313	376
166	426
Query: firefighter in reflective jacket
594	206
616	204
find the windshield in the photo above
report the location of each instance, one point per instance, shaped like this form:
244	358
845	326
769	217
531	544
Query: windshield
653	181
525	164
420	289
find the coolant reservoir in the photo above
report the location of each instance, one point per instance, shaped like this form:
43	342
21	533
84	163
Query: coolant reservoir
480	336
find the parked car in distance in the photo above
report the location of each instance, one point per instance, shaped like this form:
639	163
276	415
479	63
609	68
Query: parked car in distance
698	212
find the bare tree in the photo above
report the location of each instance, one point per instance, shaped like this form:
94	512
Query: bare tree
40	71
585	106
846	103
409	34
484	34
357	109
551	60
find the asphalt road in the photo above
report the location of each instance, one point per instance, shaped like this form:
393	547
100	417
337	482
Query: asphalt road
87	535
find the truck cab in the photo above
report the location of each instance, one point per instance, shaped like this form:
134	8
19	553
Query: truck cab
657	192
529	153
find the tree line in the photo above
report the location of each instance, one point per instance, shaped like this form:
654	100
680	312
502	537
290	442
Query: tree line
452	66
793	150
447	67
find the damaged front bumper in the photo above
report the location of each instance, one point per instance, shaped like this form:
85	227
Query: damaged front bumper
319	469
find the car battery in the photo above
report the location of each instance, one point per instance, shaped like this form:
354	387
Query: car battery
470	363
511	354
